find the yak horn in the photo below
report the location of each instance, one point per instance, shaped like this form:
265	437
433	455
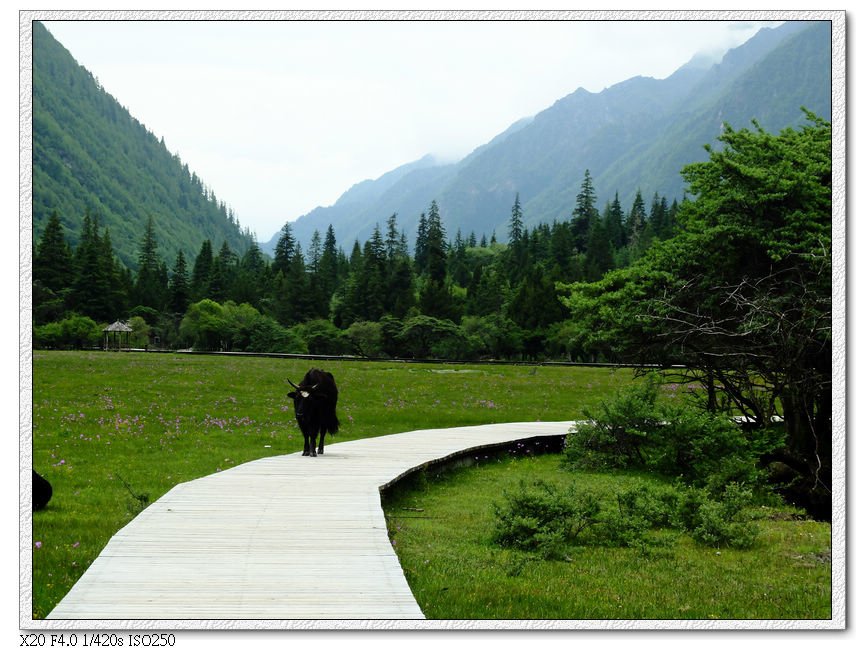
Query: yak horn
293	384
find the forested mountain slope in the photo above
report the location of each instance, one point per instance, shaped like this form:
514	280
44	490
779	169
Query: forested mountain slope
90	154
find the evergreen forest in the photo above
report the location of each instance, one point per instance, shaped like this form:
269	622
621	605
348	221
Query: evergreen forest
463	296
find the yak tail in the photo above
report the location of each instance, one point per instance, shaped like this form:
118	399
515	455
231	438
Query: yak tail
331	424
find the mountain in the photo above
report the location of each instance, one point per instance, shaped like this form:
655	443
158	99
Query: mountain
637	134
90	154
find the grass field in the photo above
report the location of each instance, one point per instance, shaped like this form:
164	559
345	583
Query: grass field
113	432
442	530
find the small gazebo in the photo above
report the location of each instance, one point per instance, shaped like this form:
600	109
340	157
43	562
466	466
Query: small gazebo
114	334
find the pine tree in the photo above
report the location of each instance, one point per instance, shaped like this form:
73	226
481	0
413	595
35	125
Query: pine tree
250	278
150	284
178	287
201	270
52	262
222	276
435	297
392	238
515	231
284	250
584	213
614	221
97	290
636	222
330	265
436	253
421	244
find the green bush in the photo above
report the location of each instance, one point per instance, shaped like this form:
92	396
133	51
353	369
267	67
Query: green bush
719	521
634	513
634	431
617	436
543	518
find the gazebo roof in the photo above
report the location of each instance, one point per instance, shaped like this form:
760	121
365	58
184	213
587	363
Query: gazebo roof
118	326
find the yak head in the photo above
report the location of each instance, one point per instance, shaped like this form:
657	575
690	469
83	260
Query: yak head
303	397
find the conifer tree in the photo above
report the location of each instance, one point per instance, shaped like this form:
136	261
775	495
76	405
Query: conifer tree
201	270
330	265
178	287
222	276
150	283
614	221
284	250
584	213
421	244
52	262
636	222
98	291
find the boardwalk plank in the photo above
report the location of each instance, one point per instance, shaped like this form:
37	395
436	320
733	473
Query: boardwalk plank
280	538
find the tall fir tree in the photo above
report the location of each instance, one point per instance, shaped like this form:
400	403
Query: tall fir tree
98	289
178	287
150	283
585	212
52	262
222	277
284	250
421	245
201	271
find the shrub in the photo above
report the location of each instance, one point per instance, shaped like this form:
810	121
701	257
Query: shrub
722	521
635	512
542	518
634	431
617	436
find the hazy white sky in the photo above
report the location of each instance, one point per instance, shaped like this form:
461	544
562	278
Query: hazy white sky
279	117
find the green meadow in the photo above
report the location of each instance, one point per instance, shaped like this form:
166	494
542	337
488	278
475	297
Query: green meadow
442	530
114	431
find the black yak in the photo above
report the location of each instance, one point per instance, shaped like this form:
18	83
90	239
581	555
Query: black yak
41	491
315	408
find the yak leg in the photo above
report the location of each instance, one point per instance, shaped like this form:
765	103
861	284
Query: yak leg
321	441
306	444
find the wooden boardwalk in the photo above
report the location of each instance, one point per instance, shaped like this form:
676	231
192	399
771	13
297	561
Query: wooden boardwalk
281	538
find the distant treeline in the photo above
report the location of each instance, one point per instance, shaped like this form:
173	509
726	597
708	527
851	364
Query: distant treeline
462	297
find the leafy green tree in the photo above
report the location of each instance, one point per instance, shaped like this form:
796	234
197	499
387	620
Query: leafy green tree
240	324
365	338
323	337
204	326
420	334
79	331
499	337
742	295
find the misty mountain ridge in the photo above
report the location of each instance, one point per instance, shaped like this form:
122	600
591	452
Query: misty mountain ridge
636	134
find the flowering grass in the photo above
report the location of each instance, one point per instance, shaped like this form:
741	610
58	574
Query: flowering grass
443	534
113	432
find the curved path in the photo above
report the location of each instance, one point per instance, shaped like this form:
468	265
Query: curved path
285	537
